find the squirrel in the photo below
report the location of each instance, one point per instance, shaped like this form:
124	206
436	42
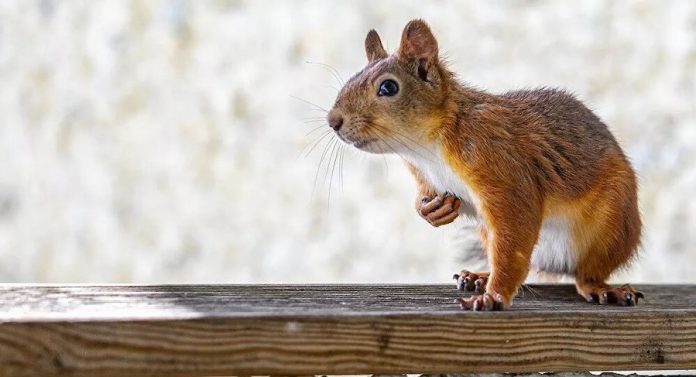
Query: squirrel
548	183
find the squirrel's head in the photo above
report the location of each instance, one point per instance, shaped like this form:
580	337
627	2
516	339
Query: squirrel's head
396	101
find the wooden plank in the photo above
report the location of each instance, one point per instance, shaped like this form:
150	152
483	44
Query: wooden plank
207	330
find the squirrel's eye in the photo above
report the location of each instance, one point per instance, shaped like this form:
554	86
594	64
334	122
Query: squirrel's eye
388	88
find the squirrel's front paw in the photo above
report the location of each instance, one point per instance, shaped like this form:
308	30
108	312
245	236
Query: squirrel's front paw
486	301
438	210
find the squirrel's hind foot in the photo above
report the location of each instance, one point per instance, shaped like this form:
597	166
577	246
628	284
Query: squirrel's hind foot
605	294
471	281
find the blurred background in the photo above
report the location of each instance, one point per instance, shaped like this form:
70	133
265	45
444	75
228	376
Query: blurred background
171	141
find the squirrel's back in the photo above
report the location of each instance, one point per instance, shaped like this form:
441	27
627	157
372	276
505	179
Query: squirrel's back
562	141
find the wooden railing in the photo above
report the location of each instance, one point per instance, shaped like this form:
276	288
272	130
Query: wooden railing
213	330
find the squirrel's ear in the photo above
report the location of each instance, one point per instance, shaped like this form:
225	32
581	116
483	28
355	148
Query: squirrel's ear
373	47
418	44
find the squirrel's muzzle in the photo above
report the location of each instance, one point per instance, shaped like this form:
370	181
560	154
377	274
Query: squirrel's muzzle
335	120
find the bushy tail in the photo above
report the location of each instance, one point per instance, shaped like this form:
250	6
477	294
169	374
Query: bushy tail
471	255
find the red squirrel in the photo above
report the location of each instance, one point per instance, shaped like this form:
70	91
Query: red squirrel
548	183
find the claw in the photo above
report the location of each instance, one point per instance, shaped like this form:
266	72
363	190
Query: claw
471	281
485	302
605	298
628	299
605	295
478	305
479	286
594	298
460	282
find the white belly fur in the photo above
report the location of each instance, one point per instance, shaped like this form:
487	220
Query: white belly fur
553	251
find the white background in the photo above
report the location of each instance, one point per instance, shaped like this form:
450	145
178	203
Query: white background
162	141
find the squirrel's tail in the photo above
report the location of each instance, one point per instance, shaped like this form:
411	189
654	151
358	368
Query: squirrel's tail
471	255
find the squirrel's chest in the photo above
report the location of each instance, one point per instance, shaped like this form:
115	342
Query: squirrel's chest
443	178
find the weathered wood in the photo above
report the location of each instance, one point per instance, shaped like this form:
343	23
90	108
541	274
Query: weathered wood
561	374
260	330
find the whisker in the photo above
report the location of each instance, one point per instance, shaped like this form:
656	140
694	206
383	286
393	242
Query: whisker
319	139
310	103
408	138
330	165
379	134
340	166
388	133
333	168
313	122
333	87
328	162
530	289
323	154
406	145
384	140
315	129
331	69
386	167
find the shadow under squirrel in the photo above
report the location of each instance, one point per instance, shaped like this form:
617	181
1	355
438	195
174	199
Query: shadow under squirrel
547	181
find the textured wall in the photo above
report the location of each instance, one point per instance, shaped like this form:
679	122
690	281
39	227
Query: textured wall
162	141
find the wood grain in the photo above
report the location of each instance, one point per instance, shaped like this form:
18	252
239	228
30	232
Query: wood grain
206	330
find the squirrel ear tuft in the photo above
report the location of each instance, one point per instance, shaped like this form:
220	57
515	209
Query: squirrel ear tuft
419	44
373	47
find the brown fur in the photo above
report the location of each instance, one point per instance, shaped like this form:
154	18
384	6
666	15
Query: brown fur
527	155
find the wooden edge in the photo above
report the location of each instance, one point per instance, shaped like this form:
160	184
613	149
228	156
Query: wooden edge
381	344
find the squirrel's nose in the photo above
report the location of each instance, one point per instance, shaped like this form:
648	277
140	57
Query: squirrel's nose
335	121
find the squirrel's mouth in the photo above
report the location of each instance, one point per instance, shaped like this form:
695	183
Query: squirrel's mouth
363	143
